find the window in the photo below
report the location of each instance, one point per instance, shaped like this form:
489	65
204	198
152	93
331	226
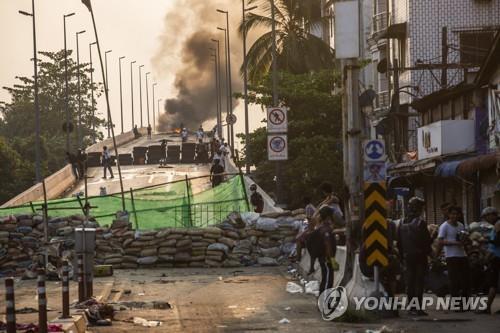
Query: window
402	52
474	46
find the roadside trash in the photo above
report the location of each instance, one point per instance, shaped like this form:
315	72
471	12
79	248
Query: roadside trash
232	306
293	288
288	308
146	323
284	321
312	287
383	329
26	310
141	294
127	292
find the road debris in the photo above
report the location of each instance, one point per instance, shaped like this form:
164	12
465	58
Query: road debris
294	288
146	323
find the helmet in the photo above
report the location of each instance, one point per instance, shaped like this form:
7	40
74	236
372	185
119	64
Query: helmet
489	210
253	187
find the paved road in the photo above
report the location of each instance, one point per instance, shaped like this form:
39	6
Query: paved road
253	299
138	176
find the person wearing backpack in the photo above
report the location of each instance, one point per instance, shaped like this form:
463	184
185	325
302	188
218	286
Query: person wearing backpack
414	244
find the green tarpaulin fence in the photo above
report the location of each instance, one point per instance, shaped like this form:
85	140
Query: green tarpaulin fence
171	204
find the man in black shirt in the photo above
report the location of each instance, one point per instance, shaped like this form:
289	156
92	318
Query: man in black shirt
256	199
216	173
74	164
414	243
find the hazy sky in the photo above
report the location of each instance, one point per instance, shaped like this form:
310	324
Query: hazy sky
131	28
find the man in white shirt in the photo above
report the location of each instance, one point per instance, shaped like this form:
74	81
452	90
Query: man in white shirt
456	259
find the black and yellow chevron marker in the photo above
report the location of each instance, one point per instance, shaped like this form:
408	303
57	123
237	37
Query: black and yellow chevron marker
375	226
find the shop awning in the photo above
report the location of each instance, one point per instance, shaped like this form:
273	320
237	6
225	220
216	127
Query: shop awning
478	163
447	169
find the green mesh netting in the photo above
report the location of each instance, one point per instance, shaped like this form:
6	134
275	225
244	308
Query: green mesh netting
168	205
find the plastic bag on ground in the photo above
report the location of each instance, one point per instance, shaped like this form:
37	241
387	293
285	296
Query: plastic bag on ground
312	287
146	323
294	288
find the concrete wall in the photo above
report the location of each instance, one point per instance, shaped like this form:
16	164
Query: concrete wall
57	183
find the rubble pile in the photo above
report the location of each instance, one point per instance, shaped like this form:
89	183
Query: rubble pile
240	240
22	237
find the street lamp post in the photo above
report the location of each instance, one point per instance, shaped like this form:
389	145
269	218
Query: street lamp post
245	85
132	91
121	96
219	87
107	86
66	97
38	172
79	129
140	90
230	87
159	100
92	92
228	96
154	125
147	97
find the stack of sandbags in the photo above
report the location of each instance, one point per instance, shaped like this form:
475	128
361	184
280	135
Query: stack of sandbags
188	152
139	154
173	154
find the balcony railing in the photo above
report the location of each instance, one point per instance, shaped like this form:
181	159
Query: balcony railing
379	23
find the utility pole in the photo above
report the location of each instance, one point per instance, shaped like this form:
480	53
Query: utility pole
219	87
444	57
279	191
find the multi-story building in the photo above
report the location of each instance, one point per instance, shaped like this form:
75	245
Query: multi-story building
420	46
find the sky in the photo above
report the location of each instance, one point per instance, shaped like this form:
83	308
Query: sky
140	30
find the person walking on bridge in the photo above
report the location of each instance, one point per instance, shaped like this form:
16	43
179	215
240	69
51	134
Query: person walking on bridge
106	162
149	131
216	173
256	199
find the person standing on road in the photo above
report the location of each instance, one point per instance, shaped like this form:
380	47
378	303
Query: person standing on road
149	131
490	214
321	244
256	199
200	134
74	164
414	243
106	162
216	173
184	134
81	158
450	238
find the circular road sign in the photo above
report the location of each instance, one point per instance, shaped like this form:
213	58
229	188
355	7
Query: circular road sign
277	144
277	116
374	150
231	119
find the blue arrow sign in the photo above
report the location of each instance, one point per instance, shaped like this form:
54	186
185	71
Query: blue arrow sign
374	150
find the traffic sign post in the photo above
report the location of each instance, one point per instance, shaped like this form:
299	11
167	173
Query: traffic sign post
277	147
277	120
231	119
375	242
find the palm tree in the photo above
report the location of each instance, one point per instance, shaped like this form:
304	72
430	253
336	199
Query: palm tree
298	50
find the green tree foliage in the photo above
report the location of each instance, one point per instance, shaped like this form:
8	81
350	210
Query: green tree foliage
17	118
299	50
314	135
12	167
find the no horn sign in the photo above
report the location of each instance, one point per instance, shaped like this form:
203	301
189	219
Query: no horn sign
277	147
